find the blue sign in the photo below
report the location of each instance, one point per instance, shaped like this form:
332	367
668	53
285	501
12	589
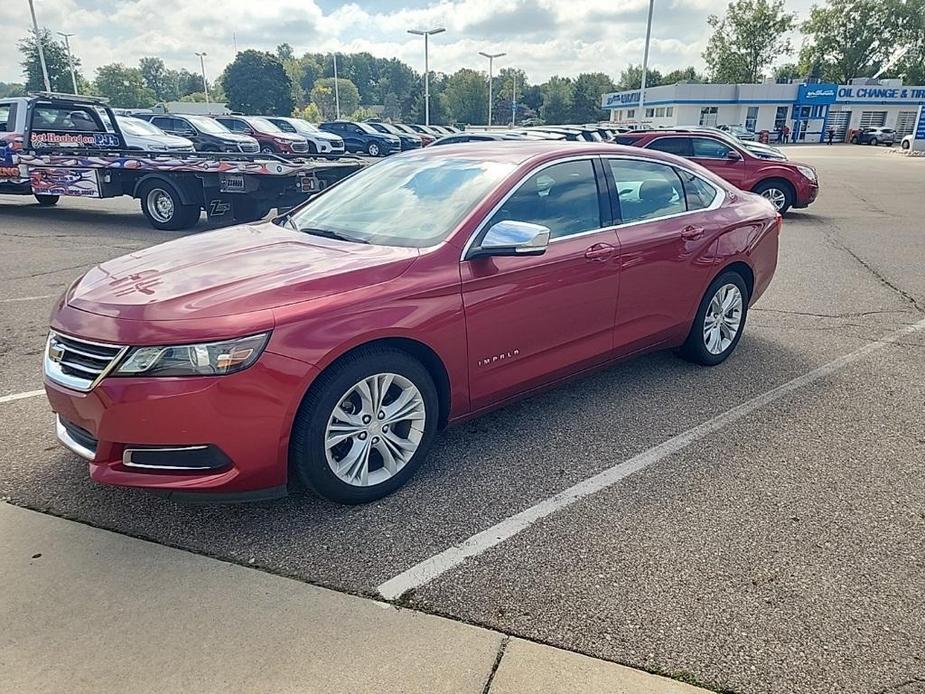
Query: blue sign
620	99
823	93
920	126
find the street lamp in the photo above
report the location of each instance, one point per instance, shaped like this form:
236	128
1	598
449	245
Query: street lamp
38	43
336	88
70	62
205	85
426	33
491	63
645	64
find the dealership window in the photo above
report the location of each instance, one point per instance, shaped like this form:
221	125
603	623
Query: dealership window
619	115
631	113
818	112
780	118
751	118
647	190
708	116
562	197
669	112
650	112
660	112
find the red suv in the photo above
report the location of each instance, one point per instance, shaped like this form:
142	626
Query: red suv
785	183
333	342
272	139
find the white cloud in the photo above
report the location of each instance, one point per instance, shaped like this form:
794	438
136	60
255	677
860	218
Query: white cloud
544	37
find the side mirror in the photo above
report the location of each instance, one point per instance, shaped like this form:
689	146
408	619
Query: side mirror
512	238
732	155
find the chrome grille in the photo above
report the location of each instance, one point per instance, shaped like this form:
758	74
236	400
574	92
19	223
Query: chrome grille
299	146
78	363
249	147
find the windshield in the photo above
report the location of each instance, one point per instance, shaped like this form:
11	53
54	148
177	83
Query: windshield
402	201
263	125
366	128
136	126
303	125
207	125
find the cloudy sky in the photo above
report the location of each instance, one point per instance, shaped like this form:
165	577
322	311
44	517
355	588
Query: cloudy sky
544	37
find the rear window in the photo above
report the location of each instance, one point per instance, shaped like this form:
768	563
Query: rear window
626	139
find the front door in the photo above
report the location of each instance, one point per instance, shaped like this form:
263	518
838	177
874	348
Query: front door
713	154
533	319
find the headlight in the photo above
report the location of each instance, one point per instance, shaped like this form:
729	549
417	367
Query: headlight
205	359
808	172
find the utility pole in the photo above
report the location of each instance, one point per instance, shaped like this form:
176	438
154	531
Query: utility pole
426	33
38	43
491	62
70	62
205	84
645	64
336	88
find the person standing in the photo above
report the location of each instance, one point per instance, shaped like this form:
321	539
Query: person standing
780	134
831	134
786	133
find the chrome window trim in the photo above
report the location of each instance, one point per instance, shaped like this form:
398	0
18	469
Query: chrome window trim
56	376
691	135
68	442
720	198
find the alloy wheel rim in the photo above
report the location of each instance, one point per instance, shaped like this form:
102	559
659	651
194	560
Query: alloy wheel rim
375	429
160	205
723	319
374	150
776	196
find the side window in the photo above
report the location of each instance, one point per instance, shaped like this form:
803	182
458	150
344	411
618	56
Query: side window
562	197
7	118
708	148
48	117
647	190
699	193
672	145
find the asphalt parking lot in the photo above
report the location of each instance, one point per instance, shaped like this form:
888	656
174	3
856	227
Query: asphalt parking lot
780	550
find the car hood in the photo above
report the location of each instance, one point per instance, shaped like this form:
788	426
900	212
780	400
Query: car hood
290	137
232	271
161	140
322	135
235	137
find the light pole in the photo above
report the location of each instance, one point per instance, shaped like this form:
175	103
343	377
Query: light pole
513	99
70	62
38	43
491	63
645	64
426	33
205	85
336	88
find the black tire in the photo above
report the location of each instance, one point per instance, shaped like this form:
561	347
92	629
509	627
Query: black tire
695	347
180	217
873	141
905	144
307	454
373	149
765	189
267	149
47	200
854	140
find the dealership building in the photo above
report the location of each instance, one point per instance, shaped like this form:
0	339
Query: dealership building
807	109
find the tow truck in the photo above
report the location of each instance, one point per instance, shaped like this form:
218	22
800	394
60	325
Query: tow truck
54	145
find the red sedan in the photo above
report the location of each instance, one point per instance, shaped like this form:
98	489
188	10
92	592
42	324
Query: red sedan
335	341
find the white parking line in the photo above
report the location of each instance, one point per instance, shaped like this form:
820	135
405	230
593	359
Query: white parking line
26	298
435	566
20	396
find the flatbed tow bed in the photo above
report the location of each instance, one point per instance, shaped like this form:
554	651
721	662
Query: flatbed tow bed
64	145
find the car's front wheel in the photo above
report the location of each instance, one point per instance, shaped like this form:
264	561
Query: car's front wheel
905	144
373	149
873	141
719	321
779	193
364	426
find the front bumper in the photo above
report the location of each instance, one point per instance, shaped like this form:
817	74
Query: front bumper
192	435
806	195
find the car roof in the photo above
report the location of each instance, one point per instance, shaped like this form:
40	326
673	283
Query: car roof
522	151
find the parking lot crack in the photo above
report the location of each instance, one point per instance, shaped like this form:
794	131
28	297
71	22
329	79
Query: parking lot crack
494	668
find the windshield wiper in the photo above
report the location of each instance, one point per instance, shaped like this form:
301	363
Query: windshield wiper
326	233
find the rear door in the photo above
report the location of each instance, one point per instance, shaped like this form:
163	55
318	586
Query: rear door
666	256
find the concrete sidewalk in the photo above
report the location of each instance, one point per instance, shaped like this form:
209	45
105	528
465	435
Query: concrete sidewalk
87	610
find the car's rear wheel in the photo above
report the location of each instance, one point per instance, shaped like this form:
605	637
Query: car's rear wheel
365	426
779	193
268	149
47	200
373	149
719	322
873	141
164	209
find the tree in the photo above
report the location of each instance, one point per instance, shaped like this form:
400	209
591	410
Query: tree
467	96
748	39
256	83
324	97
8	89
586	97
787	72
631	78
158	79
59	73
309	113
187	82
850	38
391	107
505	83
123	86
910	21
686	74
557	100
